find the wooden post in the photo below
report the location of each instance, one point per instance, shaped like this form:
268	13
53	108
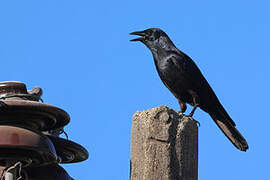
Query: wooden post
164	146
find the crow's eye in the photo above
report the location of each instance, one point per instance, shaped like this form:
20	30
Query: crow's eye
156	35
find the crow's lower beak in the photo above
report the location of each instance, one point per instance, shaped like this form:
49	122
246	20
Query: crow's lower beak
139	33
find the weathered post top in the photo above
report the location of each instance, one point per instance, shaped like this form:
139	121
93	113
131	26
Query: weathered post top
164	146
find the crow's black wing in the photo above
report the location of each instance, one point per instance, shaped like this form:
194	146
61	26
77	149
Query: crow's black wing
208	99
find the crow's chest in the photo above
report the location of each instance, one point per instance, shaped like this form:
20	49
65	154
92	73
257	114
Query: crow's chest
173	77
169	71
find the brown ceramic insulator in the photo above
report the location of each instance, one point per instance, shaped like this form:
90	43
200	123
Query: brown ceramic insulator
1	170
35	115
25	145
12	87
49	172
69	151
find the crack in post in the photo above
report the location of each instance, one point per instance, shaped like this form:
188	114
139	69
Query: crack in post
159	140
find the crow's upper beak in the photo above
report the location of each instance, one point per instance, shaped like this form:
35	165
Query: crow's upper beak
139	33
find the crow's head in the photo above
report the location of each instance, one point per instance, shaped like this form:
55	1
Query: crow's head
154	39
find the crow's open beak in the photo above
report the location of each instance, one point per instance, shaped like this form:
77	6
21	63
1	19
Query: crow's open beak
139	33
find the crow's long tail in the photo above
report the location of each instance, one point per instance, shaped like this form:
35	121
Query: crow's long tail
227	126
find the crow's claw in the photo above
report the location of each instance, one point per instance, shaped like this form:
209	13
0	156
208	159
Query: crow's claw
197	122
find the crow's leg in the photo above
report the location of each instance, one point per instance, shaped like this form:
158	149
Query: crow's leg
193	110
196	104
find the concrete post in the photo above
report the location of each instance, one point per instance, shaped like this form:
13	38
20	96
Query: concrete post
164	146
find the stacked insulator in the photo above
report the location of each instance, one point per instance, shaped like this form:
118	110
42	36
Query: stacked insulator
30	144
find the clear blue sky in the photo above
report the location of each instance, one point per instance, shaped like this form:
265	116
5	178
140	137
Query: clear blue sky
79	53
